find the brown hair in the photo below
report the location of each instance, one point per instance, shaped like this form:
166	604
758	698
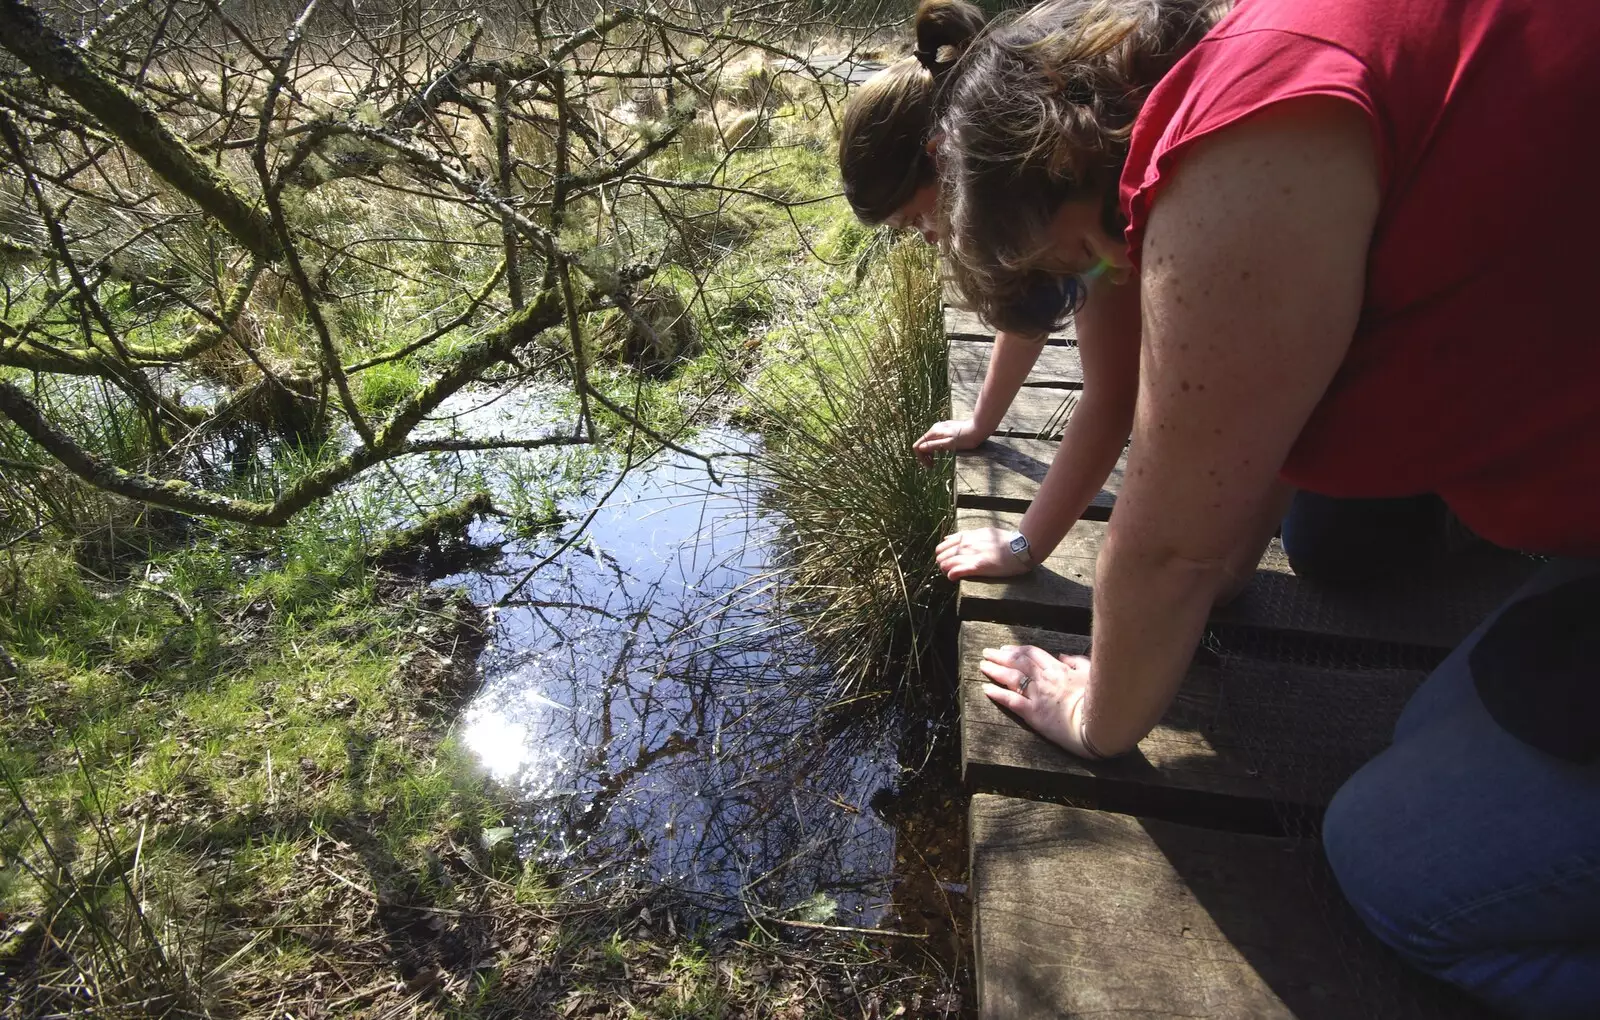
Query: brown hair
883	146
1040	115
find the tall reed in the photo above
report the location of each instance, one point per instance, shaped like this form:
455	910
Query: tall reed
861	517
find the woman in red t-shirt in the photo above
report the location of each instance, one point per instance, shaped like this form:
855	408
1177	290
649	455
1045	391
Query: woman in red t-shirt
888	149
1362	236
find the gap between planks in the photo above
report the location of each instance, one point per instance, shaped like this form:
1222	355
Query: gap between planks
1431	608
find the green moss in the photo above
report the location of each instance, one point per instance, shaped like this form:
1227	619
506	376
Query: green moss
435	533
381	388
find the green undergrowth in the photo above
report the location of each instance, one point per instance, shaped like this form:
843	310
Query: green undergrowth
840	403
181	738
230	786
231	789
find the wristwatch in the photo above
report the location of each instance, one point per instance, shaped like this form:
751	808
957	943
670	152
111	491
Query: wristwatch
1018	544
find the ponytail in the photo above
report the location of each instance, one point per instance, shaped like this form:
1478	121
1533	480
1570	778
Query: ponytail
883	144
944	28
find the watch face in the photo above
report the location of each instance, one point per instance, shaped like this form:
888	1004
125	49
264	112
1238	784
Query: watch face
1019	544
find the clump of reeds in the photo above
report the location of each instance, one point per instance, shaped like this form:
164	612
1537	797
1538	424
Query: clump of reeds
107	931
856	564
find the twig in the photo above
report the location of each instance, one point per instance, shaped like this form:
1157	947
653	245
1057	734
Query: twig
633	420
365	993
566	544
368	893
813	926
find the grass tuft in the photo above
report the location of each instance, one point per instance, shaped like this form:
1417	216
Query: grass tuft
862	517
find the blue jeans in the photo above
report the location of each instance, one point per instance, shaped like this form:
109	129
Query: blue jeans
1473	854
1349	541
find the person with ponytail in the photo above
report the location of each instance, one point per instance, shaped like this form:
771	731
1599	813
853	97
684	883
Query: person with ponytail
1361	233
888	160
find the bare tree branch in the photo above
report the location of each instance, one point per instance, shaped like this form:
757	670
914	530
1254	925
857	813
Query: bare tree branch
24	33
389	443
418	171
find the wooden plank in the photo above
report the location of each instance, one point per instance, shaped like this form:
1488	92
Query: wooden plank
1036	413
1058	367
1242	740
960	323
1432	607
998	749
1085	914
1005	472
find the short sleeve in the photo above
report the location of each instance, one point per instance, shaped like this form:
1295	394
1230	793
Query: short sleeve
1224	80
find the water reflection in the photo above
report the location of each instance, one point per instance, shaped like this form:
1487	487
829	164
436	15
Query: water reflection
648	706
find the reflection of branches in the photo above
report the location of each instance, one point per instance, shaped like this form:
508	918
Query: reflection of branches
633	420
743	771
558	604
566	543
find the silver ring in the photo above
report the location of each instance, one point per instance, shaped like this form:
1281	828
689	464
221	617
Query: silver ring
1022	685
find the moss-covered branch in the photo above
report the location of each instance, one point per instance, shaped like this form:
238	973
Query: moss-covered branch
33	359
102	474
213	333
92	362
391	440
25	34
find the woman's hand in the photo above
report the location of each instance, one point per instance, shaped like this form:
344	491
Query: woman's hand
981	552
948	437
1046	691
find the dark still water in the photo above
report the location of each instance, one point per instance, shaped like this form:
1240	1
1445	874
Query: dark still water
661	722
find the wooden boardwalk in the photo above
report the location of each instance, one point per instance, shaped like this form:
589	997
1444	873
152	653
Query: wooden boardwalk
1184	880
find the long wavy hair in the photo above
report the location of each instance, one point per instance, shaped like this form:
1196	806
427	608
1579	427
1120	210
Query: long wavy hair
1039	114
883	142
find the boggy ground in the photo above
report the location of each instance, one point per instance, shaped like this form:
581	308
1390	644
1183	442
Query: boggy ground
231	792
230	784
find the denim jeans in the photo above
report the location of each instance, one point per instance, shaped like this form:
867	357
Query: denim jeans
1471	852
1348	541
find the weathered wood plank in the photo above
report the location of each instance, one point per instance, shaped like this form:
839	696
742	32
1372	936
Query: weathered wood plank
998	749
1057	367
1005	472
1432	607
1242	740
1036	413
1085	914
958	322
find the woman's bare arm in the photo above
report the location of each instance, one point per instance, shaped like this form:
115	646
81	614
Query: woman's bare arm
1253	273
1108	340
1009	364
1097	431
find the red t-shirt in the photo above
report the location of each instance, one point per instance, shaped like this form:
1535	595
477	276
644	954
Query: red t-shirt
1475	367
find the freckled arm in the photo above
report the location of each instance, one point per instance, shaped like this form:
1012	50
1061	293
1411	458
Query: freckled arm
1253	270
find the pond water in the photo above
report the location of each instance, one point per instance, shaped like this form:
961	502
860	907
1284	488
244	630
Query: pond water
660	721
